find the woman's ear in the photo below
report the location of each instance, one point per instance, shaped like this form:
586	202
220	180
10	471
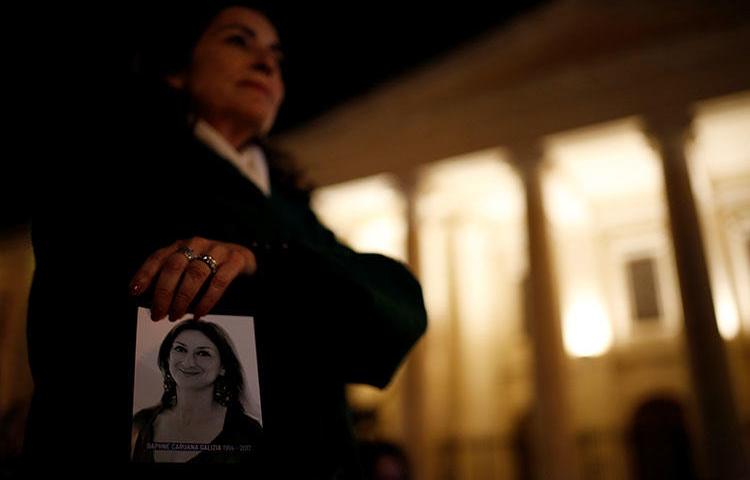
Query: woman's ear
223	371
176	80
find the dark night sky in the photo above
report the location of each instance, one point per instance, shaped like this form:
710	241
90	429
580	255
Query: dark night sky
334	52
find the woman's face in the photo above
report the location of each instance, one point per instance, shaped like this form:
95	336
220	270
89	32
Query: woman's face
235	75
194	360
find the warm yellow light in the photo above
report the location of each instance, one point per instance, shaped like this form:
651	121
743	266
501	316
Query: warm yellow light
368	214
606	162
385	235
721	128
586	328
562	205
480	185
726	317
476	280
434	269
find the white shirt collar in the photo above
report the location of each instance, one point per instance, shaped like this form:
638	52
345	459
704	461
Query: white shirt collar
250	161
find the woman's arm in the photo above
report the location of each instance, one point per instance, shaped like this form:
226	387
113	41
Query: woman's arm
370	307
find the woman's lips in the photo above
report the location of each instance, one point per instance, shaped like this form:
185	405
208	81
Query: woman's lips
254	84
189	372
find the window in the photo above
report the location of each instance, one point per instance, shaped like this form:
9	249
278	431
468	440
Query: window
644	294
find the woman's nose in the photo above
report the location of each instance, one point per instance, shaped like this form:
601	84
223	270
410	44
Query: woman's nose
265	61
189	360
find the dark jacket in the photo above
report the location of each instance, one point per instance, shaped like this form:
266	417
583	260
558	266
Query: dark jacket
325	315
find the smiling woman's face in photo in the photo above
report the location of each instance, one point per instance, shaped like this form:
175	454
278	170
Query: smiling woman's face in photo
194	360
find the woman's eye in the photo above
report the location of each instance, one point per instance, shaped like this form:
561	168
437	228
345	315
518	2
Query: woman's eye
180	349
204	354
237	40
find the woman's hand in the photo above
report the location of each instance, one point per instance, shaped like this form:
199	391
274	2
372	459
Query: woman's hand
181	275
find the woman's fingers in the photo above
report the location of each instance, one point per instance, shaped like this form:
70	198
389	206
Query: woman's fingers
228	270
250	264
172	269
150	268
196	274
179	278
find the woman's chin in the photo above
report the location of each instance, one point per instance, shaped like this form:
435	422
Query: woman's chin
193	384
257	120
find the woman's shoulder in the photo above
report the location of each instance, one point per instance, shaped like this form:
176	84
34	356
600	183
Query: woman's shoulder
238	422
286	175
250	423
142	430
146	416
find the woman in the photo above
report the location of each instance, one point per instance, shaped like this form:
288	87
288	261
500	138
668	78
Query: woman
233	90
203	383
183	202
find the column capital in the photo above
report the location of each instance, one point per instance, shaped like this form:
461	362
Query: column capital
669	129
526	156
407	181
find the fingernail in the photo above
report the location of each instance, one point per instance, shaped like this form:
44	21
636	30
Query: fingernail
135	289
156	316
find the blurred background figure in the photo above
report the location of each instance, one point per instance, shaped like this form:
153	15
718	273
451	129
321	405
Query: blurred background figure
384	461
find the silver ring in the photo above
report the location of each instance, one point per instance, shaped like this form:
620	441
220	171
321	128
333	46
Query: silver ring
187	252
208	260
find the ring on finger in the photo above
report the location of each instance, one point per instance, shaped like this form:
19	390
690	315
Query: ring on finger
187	252
208	260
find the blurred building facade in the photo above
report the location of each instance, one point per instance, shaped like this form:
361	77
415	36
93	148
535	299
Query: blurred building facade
573	190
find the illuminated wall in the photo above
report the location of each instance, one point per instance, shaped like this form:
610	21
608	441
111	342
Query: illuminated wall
720	168
605	201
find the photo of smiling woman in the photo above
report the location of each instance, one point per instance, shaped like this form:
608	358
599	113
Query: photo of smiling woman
200	418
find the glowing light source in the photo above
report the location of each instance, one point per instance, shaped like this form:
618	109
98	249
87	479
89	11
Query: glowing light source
586	328
726	317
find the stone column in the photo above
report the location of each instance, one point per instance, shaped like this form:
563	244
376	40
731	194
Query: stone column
412	399
669	133
556	454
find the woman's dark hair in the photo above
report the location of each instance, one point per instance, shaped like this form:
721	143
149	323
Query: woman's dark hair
229	386
169	36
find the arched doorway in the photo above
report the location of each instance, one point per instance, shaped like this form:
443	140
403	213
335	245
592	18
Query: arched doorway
523	448
660	446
